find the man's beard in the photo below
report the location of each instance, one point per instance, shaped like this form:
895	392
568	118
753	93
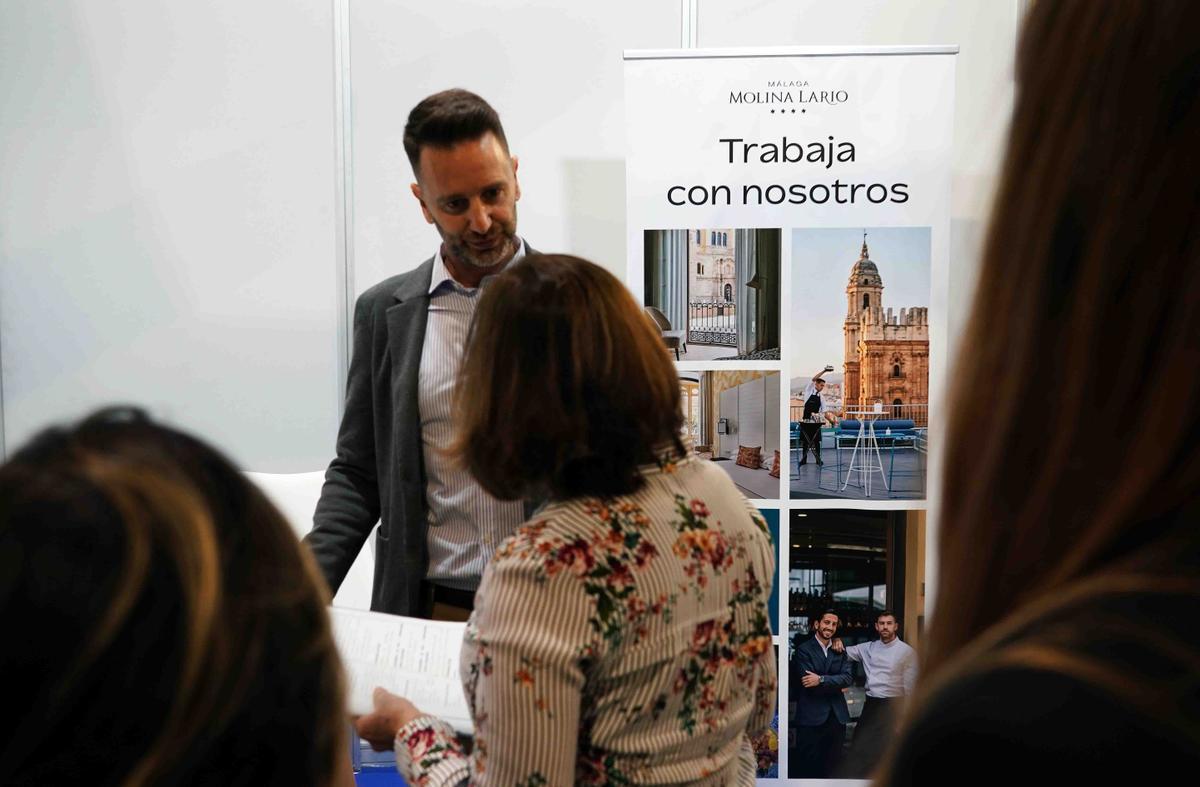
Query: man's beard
503	250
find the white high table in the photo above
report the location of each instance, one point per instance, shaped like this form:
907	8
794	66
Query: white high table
866	450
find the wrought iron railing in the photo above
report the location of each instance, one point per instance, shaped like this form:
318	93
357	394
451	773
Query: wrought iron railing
712	322
917	413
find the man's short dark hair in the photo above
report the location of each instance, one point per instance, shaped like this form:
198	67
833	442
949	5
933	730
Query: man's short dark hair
448	118
830	612
887	613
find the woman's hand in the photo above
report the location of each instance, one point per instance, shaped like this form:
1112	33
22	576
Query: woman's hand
391	713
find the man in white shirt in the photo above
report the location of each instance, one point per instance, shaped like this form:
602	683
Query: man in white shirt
891	668
438	528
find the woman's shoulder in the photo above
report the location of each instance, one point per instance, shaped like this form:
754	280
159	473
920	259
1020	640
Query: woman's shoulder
582	517
575	536
705	481
634	529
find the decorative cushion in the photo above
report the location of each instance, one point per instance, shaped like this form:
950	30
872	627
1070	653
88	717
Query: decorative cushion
775	466
750	457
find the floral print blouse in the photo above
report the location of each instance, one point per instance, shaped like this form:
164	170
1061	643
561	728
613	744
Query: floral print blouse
617	641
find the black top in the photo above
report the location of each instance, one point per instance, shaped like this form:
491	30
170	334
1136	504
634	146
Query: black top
1017	725
811	405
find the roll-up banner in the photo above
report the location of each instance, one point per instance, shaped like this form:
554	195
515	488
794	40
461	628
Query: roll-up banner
789	233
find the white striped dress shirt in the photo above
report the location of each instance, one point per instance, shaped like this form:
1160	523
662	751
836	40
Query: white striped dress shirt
465	523
891	669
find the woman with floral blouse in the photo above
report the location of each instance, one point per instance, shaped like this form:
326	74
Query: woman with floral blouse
620	636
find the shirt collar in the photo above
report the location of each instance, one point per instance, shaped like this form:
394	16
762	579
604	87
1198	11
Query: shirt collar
668	459
442	279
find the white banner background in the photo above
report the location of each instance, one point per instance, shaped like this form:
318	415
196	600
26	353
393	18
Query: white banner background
897	111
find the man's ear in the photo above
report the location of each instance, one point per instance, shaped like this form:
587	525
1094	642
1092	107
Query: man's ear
517	196
416	192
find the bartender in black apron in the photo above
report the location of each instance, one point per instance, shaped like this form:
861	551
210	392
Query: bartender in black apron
811	419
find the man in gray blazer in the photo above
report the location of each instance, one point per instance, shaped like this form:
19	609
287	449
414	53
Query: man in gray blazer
438	528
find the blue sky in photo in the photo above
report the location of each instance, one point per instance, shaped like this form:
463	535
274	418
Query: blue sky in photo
821	262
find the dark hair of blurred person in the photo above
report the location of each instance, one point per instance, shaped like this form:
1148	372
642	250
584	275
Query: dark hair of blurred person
1062	640
605	400
163	624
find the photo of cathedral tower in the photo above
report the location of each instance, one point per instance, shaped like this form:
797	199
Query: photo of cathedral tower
858	363
886	353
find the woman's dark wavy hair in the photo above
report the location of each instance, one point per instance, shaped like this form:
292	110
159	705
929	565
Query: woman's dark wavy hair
163	624
566	388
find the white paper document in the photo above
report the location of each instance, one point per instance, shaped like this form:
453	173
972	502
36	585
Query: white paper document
415	658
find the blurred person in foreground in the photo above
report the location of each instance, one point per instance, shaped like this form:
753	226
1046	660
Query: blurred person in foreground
163	624
1062	647
621	636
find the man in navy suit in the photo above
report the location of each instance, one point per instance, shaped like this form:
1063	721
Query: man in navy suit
817	677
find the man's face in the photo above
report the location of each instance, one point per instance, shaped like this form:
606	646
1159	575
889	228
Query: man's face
827	626
819	385
470	192
886	628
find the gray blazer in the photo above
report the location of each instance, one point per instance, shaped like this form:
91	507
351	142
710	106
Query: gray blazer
378	474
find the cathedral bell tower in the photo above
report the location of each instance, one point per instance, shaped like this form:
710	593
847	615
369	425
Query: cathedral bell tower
864	294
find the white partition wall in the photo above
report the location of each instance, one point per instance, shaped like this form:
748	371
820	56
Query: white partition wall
166	219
